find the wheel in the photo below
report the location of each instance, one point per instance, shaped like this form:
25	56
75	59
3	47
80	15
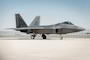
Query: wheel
33	36
43	36
61	37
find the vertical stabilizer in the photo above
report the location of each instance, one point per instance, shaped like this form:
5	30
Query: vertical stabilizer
36	21
19	21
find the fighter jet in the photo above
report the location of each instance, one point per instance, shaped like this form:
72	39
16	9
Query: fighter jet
35	28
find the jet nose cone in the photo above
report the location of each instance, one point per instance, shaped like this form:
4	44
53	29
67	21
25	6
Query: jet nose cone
81	29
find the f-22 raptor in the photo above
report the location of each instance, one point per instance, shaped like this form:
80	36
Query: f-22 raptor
35	28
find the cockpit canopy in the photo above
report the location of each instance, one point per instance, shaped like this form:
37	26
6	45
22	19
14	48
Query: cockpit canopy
67	22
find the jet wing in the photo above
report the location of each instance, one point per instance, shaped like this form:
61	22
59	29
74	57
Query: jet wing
27	28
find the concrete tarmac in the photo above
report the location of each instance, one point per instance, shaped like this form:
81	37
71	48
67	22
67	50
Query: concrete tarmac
50	49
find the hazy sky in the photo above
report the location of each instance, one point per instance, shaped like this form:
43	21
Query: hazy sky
51	11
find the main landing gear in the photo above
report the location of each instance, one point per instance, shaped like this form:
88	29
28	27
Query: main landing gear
44	36
34	35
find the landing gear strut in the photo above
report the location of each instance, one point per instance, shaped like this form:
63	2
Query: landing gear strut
44	36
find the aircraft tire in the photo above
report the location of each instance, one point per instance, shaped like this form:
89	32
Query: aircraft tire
43	36
33	36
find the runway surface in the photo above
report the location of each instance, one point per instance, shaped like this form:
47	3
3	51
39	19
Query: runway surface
50	49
